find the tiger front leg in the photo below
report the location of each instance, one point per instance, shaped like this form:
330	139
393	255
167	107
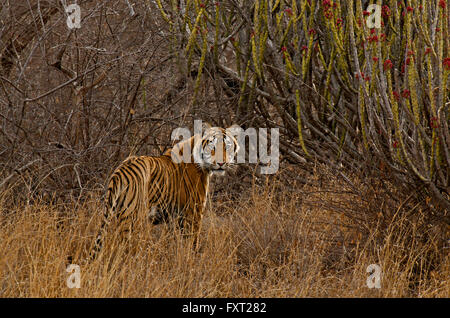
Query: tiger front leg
99	239
124	231
191	225
118	229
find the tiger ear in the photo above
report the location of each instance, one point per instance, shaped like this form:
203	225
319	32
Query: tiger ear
206	126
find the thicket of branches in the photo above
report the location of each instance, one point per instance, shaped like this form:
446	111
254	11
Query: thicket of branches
75	102
372	100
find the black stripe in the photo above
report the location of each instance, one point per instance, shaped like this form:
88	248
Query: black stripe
141	165
135	190
131	171
123	196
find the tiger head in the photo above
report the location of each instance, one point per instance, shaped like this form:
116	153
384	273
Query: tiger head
213	151
216	150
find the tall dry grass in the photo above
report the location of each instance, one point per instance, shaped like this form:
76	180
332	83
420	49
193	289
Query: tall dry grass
273	241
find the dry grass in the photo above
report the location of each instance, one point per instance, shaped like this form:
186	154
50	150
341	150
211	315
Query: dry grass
270	243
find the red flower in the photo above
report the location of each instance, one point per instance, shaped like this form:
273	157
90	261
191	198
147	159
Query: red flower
442	4
382	37
372	38
446	63
339	22
366	13
387	64
328	14
312	31
408	61
201	5
438	29
363	76
385	11
409	9
428	50
326	4
283	49
396	95
434	123
406	93
409	53
288	11
375	59
395	144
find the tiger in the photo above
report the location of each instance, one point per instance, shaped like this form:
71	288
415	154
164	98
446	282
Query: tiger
166	187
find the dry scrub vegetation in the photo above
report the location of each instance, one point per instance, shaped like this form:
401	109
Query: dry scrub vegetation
364	145
273	240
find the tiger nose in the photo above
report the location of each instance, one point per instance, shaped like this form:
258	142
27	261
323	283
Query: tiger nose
221	164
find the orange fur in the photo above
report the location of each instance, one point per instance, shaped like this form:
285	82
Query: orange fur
162	189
